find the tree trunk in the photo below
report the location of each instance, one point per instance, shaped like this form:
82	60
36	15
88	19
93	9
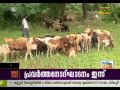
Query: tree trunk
84	8
62	9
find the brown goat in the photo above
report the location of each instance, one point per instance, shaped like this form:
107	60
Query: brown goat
55	45
105	40
86	42
71	52
30	46
5	50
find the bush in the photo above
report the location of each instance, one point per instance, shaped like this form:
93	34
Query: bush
107	18
117	12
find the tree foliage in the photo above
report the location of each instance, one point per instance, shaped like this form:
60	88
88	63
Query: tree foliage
37	11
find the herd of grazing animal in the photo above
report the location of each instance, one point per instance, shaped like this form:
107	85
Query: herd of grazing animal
59	25
50	44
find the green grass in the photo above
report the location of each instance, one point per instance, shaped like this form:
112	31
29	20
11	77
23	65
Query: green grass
81	61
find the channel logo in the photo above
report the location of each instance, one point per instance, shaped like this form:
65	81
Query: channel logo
107	64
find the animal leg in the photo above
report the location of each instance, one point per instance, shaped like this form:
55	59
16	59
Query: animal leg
98	46
31	55
51	52
57	52
26	56
36	53
103	47
87	48
83	48
5	57
41	53
48	52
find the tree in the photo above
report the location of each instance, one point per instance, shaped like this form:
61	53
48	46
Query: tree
56	10
96	6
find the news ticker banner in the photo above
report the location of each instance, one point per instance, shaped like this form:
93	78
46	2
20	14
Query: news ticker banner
59	83
59	74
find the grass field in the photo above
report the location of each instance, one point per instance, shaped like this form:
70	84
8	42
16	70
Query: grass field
81	61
